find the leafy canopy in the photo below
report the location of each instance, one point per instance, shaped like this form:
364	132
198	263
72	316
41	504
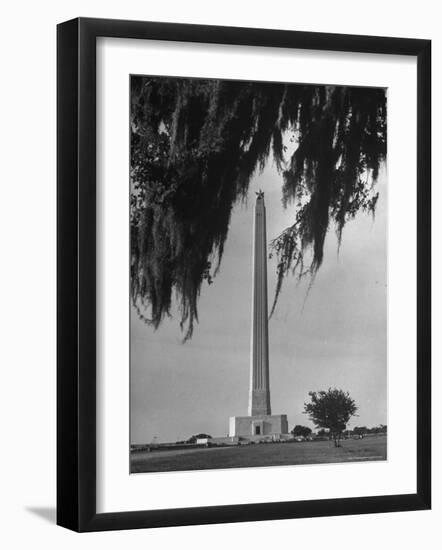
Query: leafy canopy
302	431
195	145
331	409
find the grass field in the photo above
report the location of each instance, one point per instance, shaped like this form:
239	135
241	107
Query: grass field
270	454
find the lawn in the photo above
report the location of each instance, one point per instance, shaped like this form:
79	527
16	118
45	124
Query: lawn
269	454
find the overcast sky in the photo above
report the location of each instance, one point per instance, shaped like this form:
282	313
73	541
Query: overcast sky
334	336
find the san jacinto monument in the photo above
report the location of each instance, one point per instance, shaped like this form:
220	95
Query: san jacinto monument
260	420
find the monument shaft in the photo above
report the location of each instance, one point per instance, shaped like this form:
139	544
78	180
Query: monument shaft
260	424
259	396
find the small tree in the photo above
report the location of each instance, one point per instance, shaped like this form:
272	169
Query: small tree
301	431
331	409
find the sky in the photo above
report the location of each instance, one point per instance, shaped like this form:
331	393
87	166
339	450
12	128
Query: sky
331	335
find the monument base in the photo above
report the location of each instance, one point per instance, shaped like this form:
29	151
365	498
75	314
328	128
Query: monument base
258	426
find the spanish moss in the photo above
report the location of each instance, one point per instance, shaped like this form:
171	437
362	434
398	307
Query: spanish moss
195	146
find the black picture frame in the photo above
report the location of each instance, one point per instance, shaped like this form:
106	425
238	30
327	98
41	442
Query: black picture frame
76	274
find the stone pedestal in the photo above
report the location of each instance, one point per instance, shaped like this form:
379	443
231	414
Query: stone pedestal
258	426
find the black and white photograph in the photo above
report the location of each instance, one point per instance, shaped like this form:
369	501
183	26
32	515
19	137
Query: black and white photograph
258	274
220	265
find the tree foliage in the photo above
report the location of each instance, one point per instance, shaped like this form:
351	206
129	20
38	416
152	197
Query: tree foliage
301	431
362	430
331	409
195	145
